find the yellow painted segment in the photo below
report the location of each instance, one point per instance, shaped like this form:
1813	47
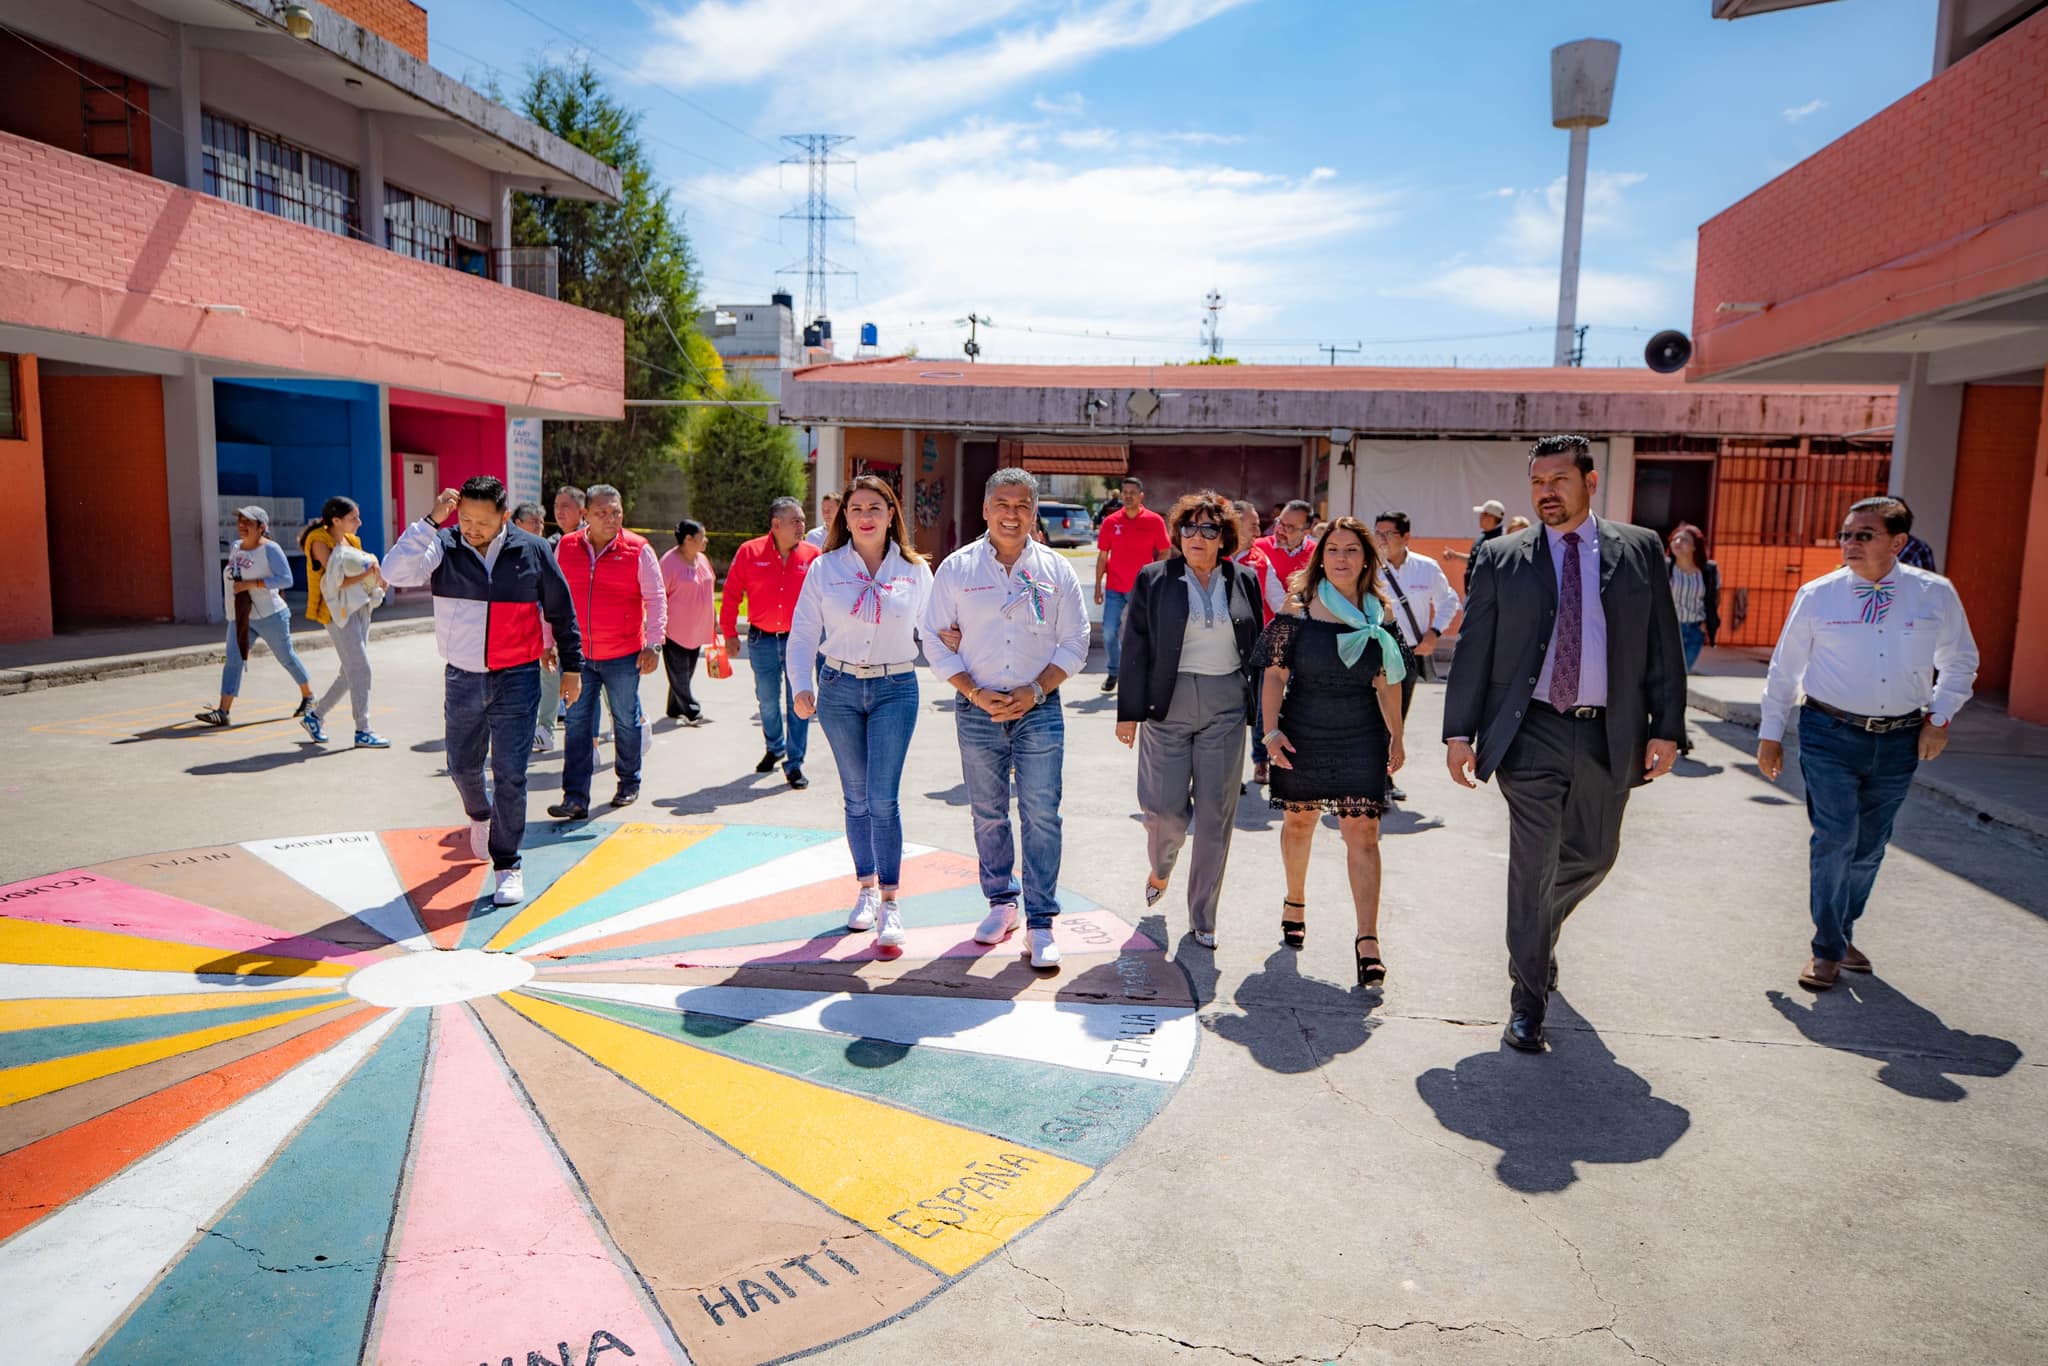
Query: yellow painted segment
67	946
53	1010
40	1078
947	1196
626	852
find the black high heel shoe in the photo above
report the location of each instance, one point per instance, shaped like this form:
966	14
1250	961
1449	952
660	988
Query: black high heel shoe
1371	971
1293	933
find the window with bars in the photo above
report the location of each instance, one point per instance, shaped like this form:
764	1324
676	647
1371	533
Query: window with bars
245	165
428	230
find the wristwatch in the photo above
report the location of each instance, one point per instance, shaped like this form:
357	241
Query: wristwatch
1037	693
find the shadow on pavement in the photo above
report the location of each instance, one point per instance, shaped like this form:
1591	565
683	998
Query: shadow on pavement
706	801
1871	1018
1274	1028
268	760
1547	1113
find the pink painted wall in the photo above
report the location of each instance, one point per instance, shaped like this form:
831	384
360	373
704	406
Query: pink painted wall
467	439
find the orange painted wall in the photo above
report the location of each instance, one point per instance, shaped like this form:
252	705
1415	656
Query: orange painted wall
25	588
2029	688
103	455
1994	477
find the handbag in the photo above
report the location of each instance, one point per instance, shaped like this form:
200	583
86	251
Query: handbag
717	663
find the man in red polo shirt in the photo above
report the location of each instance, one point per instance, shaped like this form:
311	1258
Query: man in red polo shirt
768	572
1129	539
1290	545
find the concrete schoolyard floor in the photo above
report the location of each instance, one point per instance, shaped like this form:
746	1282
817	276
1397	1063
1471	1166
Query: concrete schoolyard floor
1711	1165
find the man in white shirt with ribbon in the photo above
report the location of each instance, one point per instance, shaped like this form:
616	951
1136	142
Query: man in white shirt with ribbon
1005	626
1866	645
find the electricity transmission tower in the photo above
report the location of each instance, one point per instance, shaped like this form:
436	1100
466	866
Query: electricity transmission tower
1213	302
817	157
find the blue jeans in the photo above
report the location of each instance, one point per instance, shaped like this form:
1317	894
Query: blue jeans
1855	783
493	711
1033	746
619	681
869	721
771	693
275	631
1113	626
1693	636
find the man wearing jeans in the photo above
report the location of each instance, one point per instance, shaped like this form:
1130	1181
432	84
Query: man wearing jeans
768	572
1128	540
1005	626
1884	656
616	585
492	585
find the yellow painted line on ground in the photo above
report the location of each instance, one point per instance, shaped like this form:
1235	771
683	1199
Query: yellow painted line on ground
626	852
67	946
945	1195
48	1011
40	1078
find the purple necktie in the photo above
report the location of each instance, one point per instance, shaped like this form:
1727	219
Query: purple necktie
1571	613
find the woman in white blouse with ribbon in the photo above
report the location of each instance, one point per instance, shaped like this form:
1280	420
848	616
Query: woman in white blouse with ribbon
855	629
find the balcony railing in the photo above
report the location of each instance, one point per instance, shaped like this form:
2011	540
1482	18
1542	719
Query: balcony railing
537	270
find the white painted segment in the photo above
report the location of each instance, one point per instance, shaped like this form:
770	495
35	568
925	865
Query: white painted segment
1133	1041
439	979
91	1260
352	871
32	981
819	863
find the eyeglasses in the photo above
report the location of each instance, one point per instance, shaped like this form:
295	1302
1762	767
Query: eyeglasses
1208	531
1860	536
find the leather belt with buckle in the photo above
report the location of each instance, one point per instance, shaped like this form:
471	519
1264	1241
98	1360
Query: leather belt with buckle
1869	725
1579	713
869	670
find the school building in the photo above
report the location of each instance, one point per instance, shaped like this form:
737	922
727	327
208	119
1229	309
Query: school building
244	263
1912	254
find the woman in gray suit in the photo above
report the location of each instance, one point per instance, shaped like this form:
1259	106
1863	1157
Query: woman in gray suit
1190	627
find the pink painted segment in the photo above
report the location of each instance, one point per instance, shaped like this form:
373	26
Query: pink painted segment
497	1252
1088	932
94	901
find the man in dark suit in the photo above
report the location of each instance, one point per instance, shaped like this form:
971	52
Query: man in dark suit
1569	682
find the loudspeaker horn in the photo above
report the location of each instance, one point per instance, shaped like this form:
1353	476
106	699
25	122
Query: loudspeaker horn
1668	352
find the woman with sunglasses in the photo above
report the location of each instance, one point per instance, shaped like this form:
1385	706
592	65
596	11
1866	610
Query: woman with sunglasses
852	662
1190	627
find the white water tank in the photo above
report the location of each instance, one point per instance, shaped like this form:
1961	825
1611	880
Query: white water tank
1582	82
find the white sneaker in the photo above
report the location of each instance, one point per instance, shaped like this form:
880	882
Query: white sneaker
892	934
1044	953
511	888
998	924
543	738
864	907
480	839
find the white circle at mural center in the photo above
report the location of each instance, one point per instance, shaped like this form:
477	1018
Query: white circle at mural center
439	978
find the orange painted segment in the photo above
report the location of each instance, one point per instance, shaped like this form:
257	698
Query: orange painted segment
441	877
934	872
42	1177
1994	475
105	432
2029	692
25	590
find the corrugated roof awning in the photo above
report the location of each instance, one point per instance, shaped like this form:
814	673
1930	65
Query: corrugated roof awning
1047	457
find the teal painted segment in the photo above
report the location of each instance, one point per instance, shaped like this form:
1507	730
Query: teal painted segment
290	1270
963	906
1081	1115
735	849
548	853
23	1046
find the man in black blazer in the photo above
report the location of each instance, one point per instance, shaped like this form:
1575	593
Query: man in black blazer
1569	683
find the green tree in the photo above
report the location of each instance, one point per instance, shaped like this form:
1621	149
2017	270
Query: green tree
631	260
741	462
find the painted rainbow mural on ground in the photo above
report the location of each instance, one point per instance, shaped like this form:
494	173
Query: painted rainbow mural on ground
317	1100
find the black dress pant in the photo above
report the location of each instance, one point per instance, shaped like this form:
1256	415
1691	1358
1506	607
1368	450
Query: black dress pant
680	661
1564	829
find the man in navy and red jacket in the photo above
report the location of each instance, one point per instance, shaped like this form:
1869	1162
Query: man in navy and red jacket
622	605
492	585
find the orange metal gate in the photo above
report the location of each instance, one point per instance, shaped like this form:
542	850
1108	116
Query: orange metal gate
1777	505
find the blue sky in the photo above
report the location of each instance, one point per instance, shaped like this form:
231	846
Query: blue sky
1343	171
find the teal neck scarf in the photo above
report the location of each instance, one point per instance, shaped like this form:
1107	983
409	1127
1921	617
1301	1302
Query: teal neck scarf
1364	626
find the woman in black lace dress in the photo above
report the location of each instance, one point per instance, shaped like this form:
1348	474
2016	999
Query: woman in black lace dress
1331	701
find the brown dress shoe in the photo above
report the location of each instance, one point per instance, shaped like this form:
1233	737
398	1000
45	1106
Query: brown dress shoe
1820	974
1854	961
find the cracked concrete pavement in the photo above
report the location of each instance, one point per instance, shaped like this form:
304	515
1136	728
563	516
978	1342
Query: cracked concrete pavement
1710	1166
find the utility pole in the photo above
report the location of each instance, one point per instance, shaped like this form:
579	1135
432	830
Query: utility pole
1347	350
1212	301
817	213
973	347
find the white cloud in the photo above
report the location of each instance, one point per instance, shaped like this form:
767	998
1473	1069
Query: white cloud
1802	111
1504	192
1530	291
1088	139
1066	106
1321	173
886	67
1536	223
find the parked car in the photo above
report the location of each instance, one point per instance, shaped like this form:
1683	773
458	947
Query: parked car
1067	524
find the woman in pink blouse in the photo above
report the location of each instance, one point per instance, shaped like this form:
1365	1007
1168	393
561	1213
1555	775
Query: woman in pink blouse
687	578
